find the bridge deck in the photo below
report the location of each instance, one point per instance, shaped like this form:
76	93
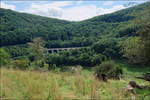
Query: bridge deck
65	48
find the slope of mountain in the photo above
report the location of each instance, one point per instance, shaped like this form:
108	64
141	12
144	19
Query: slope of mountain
19	28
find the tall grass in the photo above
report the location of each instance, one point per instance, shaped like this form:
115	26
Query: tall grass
54	93
29	85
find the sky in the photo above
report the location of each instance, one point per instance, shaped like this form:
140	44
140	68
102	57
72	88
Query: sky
74	10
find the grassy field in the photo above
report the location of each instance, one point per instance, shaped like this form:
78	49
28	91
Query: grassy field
18	84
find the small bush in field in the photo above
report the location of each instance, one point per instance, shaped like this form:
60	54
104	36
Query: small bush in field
109	69
4	57
21	64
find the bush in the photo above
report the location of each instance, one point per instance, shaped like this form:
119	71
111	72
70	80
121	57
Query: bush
4	57
21	64
109	69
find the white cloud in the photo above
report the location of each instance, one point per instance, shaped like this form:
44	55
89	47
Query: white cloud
7	6
79	13
108	3
79	2
84	12
110	10
73	13
50	9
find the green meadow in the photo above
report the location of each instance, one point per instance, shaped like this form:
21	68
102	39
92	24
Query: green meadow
52	85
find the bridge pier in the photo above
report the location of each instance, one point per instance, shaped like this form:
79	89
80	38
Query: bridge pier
57	50
52	51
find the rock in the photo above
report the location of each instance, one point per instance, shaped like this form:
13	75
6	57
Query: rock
129	88
132	84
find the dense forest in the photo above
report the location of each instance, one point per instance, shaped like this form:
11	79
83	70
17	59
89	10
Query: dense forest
104	35
20	28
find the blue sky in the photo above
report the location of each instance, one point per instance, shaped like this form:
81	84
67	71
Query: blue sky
68	10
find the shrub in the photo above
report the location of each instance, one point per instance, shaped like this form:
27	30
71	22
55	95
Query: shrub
4	57
109	69
21	64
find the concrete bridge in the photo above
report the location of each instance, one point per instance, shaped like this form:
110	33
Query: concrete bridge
57	50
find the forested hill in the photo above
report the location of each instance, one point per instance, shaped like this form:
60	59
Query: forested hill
19	28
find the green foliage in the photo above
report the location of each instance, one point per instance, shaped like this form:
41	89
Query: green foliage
108	47
4	57
17	50
129	30
136	49
133	50
84	57
89	60
36	49
144	32
110	69
102	33
20	64
20	28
